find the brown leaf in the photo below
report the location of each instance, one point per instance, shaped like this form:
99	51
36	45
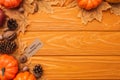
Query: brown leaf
63	3
57	2
23	23
44	6
22	46
115	9
29	7
87	16
72	4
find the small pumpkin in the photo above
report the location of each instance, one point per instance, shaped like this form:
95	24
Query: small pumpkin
8	67
89	4
10	3
25	76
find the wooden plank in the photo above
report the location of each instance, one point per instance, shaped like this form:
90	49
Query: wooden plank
75	43
66	19
78	67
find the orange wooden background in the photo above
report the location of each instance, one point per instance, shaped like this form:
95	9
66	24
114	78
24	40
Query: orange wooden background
73	51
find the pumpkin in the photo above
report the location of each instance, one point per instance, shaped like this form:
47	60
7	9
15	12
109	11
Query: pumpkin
89	4
10	3
113	1
8	67
25	76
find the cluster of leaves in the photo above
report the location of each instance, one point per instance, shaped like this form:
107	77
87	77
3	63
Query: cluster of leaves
87	16
33	6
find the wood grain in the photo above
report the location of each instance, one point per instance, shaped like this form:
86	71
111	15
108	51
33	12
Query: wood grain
78	67
75	43
66	19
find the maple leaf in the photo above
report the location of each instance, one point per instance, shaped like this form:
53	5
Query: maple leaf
57	2
89	15
72	4
23	23
28	6
44	6
63	3
115	9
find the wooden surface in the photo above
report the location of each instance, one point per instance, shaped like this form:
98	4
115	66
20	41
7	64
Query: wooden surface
73	51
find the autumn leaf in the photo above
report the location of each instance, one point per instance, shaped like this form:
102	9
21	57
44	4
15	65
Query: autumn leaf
72	4
115	9
44	6
28	6
23	23
87	16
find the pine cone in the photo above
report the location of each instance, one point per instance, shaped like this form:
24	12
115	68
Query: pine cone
7	47
38	71
12	24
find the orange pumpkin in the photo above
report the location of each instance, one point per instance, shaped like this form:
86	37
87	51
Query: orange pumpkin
25	76
8	67
89	4
10	3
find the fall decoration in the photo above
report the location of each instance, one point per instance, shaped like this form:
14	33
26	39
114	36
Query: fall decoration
23	58
10	35
8	67
89	10
21	10
12	24
7	46
10	3
89	4
25	76
113	1
38	71
63	3
115	9
2	17
25	68
1	37
90	15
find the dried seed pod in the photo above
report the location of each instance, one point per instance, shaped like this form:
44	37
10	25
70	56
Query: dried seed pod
23	58
10	35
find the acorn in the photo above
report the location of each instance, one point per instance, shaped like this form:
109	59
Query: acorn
21	10
1	37
25	68
23	58
2	18
10	35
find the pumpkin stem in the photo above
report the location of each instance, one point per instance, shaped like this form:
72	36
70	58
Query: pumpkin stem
3	71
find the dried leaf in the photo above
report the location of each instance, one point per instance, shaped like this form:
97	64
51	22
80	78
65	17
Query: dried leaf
57	2
23	23
72	4
44	6
87	16
115	9
22	46
29	7
63	3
